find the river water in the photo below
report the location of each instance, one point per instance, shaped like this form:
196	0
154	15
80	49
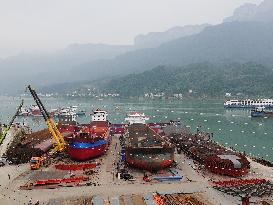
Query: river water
232	128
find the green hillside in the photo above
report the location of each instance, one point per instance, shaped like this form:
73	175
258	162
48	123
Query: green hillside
204	79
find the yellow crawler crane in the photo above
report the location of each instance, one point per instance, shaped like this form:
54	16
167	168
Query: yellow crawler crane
59	140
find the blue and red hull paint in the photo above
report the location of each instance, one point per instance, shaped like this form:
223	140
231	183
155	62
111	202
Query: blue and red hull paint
86	141
86	150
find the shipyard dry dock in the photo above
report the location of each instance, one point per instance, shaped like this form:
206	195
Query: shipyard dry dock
102	186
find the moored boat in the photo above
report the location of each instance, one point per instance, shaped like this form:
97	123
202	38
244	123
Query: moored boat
249	103
261	112
24	112
35	111
136	117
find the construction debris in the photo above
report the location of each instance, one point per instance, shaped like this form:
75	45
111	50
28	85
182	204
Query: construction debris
176	199
250	188
77	201
262	161
238	182
24	146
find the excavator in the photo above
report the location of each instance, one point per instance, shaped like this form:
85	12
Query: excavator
59	144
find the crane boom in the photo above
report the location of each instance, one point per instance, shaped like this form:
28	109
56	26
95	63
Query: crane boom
11	121
59	140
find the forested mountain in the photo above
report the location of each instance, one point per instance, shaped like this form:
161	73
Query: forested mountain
204	79
50	68
244	37
228	42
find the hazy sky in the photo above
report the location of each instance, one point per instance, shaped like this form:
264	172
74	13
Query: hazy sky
27	25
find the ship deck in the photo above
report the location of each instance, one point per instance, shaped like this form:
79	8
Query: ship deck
142	136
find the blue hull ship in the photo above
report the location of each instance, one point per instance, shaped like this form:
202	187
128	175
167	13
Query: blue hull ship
261	112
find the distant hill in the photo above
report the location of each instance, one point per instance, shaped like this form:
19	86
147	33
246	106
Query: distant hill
155	39
45	69
204	79
239	42
246	36
252	12
228	42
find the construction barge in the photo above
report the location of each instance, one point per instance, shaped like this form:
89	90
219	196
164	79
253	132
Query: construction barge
214	157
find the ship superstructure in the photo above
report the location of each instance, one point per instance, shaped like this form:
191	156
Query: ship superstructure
261	112
248	103
136	117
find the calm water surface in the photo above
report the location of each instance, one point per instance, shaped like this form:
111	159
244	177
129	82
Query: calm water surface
234	128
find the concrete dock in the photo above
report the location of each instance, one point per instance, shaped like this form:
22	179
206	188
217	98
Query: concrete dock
108	187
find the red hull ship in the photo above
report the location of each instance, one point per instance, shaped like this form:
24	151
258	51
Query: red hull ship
214	157
88	141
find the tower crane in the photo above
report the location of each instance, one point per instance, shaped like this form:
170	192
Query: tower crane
58	138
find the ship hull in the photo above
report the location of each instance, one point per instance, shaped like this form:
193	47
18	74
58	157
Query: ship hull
246	106
88	141
82	151
152	159
215	158
261	114
146	149
148	165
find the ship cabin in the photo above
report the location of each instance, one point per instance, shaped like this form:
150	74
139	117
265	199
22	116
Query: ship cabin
136	118
249	102
99	115
259	109
67	119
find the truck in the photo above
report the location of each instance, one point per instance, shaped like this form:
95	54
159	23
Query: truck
36	162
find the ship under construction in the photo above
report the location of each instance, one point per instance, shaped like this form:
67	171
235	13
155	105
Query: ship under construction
146	149
216	158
